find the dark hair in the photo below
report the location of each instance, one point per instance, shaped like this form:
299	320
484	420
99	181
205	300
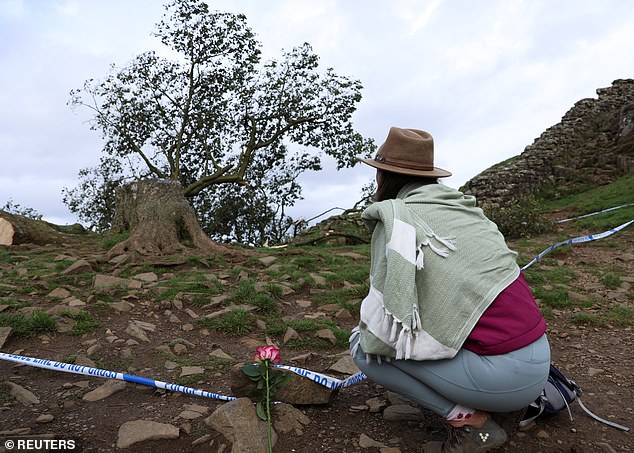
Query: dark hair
389	183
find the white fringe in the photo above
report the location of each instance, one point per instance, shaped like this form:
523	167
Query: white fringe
417	324
404	344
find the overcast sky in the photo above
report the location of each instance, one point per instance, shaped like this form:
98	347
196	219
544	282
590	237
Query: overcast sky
484	77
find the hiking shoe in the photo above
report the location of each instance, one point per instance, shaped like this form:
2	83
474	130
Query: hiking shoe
469	439
508	421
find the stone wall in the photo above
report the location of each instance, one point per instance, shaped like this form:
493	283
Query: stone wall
592	145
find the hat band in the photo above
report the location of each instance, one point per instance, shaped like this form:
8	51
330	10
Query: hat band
403	163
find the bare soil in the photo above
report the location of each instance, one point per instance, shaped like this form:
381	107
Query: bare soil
598	358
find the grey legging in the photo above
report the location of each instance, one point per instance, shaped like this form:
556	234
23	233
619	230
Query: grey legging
494	383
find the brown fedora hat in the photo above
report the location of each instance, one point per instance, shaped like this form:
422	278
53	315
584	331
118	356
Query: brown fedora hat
409	152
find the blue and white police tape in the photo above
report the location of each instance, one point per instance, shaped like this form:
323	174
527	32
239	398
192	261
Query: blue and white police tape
326	381
590	237
595	213
96	372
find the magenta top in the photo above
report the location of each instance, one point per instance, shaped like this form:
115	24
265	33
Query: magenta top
512	321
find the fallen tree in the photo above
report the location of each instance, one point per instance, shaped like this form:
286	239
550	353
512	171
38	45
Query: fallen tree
17	229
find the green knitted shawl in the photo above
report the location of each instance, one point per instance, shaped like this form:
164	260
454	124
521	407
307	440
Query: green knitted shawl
437	264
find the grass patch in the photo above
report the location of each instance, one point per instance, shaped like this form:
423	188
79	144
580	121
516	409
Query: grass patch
558	275
620	315
84	322
617	193
238	322
113	239
195	284
14	303
611	281
28	325
554	298
265	304
245	291
342	296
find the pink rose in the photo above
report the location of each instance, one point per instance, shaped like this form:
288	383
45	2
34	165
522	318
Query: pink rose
267	353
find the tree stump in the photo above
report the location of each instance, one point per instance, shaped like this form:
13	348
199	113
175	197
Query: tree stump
160	221
17	229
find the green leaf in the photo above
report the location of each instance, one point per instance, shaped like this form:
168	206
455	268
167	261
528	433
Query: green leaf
251	370
259	409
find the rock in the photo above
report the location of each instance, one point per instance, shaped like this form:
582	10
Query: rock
402	412
238	423
180	349
102	281
319	280
190	415
137	332
94	348
299	390
594	371
345	365
302	358
220	354
4	335
74	302
191	370
137	431
343	315
110	387
59	293
289	418
78	267
303	303
397	398
354	256
122	306
376	405
174	319
201	440
267	260
192	314
119	259
147	326
368	442
45	418
146	277
359	408
291	334
204	410
23	395
326	334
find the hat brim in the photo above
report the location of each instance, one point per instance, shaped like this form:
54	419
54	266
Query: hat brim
435	173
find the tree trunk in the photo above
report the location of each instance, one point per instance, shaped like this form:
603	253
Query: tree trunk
159	220
17	229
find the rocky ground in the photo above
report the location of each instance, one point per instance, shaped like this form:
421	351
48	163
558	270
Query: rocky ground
160	338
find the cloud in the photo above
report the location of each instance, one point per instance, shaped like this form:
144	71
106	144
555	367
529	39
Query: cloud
485	78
